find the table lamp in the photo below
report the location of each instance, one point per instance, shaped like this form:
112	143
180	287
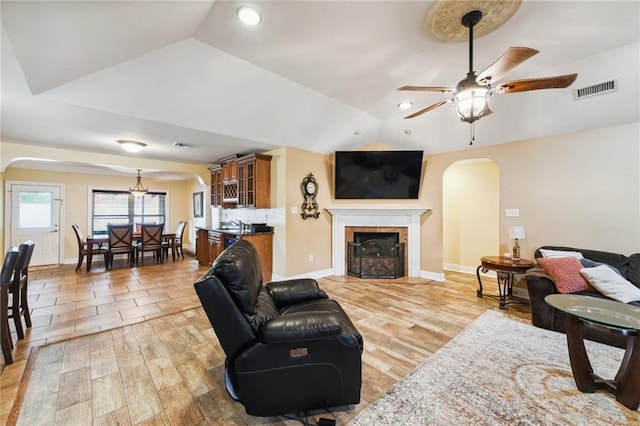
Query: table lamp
516	232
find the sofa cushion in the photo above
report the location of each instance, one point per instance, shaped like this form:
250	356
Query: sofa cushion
588	263
565	272
560	253
612	285
633	271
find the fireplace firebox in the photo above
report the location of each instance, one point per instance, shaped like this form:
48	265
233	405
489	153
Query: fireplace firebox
375	255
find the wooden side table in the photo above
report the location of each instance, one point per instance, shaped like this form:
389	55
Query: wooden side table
505	269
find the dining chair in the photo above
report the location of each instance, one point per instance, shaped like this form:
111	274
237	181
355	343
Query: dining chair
176	242
150	240
8	265
19	301
120	242
82	248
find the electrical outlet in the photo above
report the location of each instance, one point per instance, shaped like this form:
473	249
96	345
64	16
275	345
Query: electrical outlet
310	258
294	210
512	212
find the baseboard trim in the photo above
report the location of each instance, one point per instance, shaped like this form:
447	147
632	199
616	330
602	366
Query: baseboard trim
436	276
314	274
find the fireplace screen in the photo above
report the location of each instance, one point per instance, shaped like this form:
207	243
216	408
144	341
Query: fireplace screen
375	255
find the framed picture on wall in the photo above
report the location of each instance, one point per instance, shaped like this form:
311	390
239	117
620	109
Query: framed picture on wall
197	204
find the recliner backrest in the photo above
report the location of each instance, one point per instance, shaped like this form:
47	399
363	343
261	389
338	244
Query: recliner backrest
230	324
238	269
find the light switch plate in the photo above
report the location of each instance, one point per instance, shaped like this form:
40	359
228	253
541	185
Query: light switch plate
294	210
512	212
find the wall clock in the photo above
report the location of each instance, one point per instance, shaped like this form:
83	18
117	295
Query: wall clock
309	188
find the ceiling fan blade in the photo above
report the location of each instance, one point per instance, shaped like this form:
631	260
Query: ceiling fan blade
427	109
427	89
513	57
557	82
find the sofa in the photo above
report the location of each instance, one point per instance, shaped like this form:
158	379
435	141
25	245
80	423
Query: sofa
540	284
289	347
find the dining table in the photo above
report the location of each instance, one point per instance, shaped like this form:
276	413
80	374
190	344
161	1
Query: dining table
100	239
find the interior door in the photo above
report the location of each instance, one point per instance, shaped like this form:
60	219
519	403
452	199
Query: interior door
35	215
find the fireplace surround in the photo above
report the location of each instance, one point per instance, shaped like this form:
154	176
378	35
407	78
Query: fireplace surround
375	217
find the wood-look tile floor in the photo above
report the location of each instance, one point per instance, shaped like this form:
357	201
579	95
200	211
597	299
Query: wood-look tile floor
403	321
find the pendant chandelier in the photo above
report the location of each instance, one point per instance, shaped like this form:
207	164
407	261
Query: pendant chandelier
139	190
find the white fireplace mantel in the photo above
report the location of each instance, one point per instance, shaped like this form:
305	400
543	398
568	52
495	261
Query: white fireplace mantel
343	217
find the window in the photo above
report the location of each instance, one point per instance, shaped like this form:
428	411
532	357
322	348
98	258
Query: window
35	209
118	207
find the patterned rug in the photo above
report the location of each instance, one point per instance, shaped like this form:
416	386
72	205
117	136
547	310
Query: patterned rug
499	371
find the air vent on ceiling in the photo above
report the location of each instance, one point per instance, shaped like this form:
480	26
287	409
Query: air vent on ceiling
182	145
596	89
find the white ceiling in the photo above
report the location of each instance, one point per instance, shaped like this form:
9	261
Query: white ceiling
83	74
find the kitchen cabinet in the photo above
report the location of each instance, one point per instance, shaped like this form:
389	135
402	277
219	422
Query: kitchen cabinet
229	169
242	181
202	248
211	242
216	185
254	181
264	246
215	245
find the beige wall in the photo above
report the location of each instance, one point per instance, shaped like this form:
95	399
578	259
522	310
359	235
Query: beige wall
307	237
76	198
471	212
580	189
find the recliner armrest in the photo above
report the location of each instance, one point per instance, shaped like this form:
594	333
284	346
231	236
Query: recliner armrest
301	326
299	290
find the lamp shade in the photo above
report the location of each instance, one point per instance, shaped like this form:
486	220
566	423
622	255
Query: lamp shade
517	232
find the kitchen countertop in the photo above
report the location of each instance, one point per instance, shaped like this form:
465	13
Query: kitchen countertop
235	232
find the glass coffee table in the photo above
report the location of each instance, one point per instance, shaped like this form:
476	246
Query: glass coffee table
615	317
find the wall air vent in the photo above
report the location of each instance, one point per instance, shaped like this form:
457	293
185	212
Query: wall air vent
596	89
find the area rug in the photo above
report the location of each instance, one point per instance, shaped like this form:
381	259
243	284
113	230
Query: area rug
500	371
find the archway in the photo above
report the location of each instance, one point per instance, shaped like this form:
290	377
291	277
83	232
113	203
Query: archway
471	213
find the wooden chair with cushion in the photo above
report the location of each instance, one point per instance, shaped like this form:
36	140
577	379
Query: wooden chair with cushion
20	302
120	242
82	248
6	282
151	240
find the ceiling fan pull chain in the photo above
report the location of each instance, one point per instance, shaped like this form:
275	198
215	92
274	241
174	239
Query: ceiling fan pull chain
472	134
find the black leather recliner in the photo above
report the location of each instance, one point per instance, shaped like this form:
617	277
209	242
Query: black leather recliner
289	347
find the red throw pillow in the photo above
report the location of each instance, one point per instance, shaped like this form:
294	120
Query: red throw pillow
565	271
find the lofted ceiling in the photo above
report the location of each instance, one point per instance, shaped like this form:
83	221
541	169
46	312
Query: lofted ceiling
316	75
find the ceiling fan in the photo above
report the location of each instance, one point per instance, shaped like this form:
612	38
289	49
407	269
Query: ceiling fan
471	95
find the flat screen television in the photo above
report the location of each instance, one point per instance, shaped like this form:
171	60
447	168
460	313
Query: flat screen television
391	175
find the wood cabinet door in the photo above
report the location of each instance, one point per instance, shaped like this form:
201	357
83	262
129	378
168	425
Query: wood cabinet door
216	187
242	179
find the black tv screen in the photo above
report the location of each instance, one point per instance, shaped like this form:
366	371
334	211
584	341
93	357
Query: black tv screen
378	174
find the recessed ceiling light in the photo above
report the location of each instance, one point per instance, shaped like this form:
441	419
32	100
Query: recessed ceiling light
182	145
357	132
405	105
248	15
131	146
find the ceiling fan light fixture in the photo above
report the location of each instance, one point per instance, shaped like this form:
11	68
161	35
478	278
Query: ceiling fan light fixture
138	190
131	146
405	105
471	103
248	15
